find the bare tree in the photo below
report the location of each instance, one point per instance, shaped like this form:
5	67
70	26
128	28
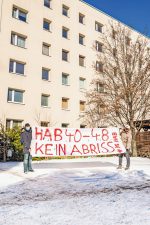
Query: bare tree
122	80
45	117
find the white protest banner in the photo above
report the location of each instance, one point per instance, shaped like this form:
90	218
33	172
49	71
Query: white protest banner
48	142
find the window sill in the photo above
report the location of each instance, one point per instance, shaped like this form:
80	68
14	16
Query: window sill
102	92
47	55
18	74
66	16
82	23
66	109
66	85
99	31
101	72
47	30
81	112
48	7
18	46
66	38
19	20
18	103
83	89
46	80
65	61
99	51
82	44
45	107
82	66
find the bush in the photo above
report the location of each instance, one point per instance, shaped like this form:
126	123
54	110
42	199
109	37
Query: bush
13	138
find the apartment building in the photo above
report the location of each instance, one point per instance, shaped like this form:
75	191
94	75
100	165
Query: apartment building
46	60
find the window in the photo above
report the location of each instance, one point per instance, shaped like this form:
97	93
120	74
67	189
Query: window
82	82
81	39
65	79
10	123
65	125
46	49
99	67
44	124
81	18
16	67
45	74
100	87
65	55
19	14
82	126
47	25
44	100
81	60
65	10
15	96
98	27
65	103
65	32
82	106
47	3
18	40
99	46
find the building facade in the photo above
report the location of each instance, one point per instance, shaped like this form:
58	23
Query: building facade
46	60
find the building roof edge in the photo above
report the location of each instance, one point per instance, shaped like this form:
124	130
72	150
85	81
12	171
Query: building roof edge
114	18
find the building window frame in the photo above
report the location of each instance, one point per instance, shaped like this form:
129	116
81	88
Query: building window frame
11	96
20	14
82	126
81	18
16	40
45	74
46	49
81	60
65	32
65	55
13	67
99	67
82	39
65	79
82	106
44	124
100	87
98	46
45	100
65	10
98	27
82	83
11	123
48	4
47	25
65	103
65	125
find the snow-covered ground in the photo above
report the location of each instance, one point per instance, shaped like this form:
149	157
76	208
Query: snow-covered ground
75	192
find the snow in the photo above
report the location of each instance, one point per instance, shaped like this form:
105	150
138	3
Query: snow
75	192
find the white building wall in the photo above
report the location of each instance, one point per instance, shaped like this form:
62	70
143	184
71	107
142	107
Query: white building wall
32	83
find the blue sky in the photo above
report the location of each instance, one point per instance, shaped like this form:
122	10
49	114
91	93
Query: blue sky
135	13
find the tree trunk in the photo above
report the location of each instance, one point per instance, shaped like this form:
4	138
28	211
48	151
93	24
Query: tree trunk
4	155
133	144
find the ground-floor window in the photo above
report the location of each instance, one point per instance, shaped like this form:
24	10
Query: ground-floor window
10	123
